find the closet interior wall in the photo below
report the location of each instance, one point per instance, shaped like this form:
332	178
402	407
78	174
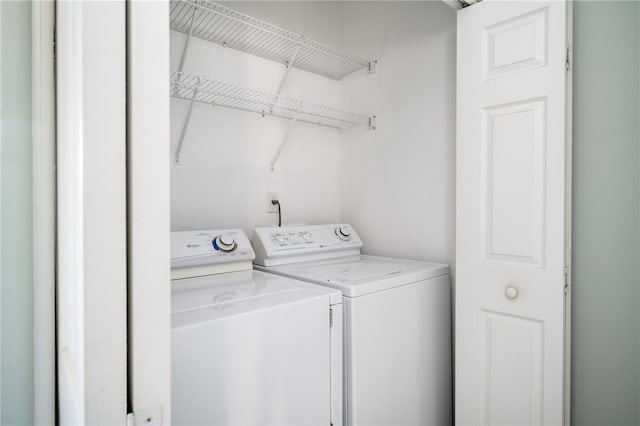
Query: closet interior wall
402	176
395	184
224	175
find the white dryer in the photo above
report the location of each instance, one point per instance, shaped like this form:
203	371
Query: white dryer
397	321
249	348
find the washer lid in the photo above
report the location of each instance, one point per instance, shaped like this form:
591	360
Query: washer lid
360	275
214	297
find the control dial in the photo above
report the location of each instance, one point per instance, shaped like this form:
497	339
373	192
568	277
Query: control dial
225	243
343	233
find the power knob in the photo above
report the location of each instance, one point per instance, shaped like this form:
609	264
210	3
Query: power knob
343	233
225	243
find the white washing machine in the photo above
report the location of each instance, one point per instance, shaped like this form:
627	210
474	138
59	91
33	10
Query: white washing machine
249	348
397	321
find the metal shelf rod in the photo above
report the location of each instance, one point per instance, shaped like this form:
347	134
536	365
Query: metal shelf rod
185	126
286	73
185	49
284	140
284	77
186	43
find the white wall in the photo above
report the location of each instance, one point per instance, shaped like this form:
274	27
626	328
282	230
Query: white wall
225	171
398	182
401	175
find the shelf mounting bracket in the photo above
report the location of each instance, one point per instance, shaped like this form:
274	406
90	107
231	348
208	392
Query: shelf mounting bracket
286	73
284	139
176	158
284	77
186	47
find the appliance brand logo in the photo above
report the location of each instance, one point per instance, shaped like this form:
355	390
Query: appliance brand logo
193	245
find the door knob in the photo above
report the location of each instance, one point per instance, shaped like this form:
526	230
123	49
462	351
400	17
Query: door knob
510	293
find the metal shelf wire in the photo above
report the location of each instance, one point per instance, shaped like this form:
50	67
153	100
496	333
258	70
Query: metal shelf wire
213	22
190	87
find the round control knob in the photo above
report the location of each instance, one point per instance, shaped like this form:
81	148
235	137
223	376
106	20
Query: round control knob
225	243
343	233
510	293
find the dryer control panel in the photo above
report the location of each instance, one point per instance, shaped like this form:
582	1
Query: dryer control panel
210	247
292	244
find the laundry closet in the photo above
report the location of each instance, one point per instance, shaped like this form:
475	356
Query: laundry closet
439	137
343	113
447	142
389	171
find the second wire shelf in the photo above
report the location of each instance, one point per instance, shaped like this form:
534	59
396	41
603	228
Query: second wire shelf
191	87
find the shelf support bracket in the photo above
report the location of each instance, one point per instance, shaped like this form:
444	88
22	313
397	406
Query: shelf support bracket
284	140
284	78
286	73
176	158
186	47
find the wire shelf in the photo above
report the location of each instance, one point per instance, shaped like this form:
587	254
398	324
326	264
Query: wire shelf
213	22
206	91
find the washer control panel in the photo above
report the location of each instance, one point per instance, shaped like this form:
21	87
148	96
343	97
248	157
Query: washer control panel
209	247
303	243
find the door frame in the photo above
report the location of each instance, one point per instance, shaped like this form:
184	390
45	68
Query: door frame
568	213
44	210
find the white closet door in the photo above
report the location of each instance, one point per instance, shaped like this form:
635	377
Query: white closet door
91	218
511	205
113	291
148	221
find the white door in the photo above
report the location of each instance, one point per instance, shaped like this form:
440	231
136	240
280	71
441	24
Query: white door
113	293
91	213
512	191
149	296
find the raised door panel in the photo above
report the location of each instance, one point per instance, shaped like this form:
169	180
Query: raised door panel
513	365
514	142
515	45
